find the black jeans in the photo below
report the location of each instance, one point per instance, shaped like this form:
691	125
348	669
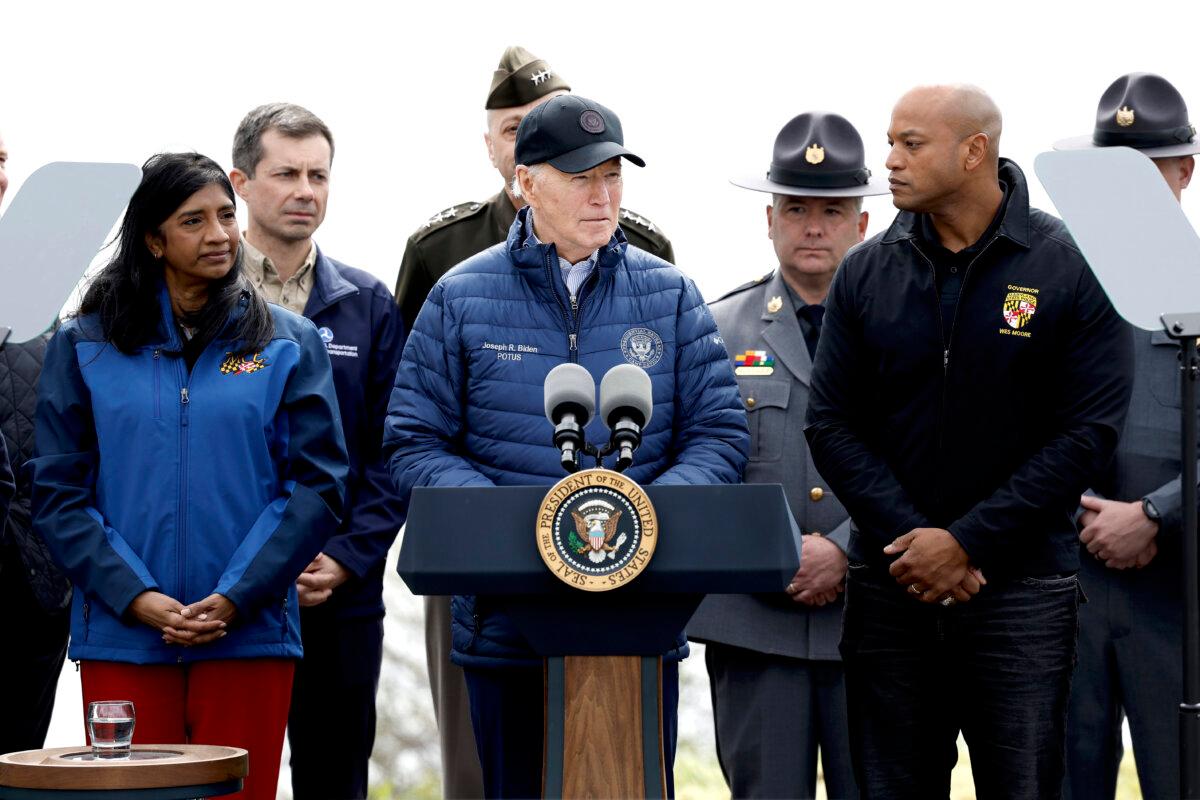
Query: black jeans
331	726
998	669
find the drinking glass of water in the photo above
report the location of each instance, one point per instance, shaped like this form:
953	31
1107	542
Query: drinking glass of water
110	724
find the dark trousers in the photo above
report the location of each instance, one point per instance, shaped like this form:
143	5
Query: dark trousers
772	714
1130	664
34	650
998	669
507	705
331	727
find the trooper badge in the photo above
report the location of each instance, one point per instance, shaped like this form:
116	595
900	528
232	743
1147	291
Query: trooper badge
1125	116
815	154
596	530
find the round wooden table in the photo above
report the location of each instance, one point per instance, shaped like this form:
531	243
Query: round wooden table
152	772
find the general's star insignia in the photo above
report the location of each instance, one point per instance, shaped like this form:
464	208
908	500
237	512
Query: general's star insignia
541	77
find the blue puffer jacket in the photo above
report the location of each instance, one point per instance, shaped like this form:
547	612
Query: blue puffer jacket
228	480
467	409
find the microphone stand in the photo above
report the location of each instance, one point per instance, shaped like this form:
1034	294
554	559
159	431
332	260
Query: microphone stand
1184	329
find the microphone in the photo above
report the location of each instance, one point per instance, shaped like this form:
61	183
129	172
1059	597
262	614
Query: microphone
570	400
626	403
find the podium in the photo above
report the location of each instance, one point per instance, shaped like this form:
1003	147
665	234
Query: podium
603	699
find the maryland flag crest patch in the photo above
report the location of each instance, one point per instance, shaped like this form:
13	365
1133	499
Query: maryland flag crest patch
1019	308
236	364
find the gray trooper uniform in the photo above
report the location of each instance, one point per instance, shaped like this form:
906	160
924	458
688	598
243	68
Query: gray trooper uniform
774	667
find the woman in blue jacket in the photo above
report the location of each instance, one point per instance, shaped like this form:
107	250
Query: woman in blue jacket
190	462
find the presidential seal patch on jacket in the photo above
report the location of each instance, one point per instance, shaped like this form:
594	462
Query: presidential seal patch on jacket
596	530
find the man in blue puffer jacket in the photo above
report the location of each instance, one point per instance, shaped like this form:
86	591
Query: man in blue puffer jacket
467	407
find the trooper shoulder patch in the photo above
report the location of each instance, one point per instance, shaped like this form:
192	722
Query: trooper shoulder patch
747	285
447	216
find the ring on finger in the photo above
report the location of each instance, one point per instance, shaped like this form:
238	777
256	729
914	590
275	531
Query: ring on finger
914	589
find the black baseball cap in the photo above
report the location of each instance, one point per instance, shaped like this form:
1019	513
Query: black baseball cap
571	134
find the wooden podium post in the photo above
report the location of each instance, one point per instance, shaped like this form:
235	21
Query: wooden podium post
604	728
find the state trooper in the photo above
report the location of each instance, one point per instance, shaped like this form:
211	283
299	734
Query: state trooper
1130	633
774	659
520	83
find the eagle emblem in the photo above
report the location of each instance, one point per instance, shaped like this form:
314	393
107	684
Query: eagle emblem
815	154
1125	116
596	524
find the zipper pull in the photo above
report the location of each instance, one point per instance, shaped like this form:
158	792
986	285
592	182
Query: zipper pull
574	342
183	396
574	304
946	359
157	353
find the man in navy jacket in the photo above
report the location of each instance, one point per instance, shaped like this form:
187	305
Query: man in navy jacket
468	404
282	156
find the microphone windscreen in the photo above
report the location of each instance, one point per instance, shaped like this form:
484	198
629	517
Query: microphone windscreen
626	387
572	385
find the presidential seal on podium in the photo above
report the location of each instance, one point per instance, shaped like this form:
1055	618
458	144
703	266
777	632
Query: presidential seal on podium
596	530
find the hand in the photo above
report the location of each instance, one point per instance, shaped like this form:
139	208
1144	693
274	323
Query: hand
1119	533
933	562
822	573
199	619
164	614
316	584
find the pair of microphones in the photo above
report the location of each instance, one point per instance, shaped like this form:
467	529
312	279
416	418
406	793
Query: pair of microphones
626	403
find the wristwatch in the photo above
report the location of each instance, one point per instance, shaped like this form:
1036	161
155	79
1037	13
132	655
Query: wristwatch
1150	510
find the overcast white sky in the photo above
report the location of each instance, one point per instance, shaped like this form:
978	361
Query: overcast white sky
701	89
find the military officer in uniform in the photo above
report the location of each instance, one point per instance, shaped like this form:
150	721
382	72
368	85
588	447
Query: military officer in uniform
520	83
776	677
1130	633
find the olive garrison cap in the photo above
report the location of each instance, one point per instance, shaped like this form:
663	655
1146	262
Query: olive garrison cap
572	134
522	78
1143	111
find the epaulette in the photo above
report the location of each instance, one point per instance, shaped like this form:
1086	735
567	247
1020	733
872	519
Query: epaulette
748	285
632	219
447	217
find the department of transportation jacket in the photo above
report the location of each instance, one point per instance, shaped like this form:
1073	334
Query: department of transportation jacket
228	480
467	409
992	431
360	324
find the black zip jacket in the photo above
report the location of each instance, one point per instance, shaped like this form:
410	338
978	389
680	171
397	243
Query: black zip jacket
991	429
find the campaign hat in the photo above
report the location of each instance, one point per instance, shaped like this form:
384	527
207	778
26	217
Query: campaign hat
522	78
1143	111
571	134
817	154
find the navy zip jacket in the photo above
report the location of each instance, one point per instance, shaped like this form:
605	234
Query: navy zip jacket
467	409
360	324
228	480
991	429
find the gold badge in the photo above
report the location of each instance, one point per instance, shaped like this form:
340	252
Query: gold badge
596	530
815	154
1125	116
775	304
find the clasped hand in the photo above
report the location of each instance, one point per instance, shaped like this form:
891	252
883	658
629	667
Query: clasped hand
934	566
1117	533
822	573
194	624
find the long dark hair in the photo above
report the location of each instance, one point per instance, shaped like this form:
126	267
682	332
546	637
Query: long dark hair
124	294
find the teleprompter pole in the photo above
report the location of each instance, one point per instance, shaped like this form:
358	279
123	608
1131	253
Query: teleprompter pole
1185	328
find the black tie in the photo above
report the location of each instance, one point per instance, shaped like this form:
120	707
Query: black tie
814	315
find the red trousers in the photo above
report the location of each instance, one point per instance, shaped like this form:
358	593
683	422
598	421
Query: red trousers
234	702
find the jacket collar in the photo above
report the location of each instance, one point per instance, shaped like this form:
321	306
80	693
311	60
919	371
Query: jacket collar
329	286
1014	225
169	338
783	333
531	259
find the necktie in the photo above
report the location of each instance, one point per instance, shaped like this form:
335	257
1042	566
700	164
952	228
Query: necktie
814	315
